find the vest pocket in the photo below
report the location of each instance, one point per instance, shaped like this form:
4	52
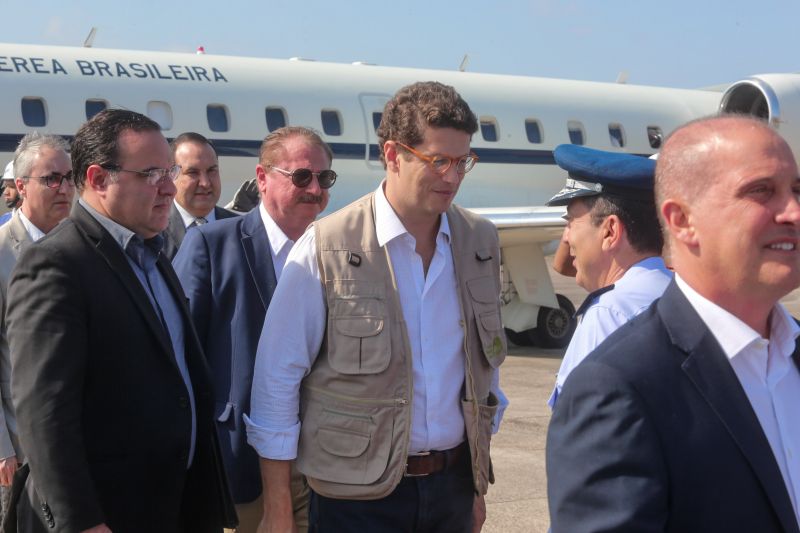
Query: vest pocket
479	433
358	334
486	308
345	443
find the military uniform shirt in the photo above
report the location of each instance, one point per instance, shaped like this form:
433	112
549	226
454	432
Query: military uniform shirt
606	311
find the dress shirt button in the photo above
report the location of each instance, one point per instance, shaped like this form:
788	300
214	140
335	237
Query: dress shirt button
183	401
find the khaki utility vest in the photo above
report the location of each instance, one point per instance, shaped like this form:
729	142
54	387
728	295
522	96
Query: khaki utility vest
355	404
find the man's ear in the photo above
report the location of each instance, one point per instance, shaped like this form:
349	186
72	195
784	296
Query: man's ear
679	222
97	178
390	154
612	232
20	183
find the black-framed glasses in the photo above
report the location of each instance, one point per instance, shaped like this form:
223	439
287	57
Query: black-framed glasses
154	176
54	180
441	163
301	177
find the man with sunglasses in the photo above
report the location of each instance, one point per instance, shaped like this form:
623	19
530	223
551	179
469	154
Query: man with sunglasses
44	176
111	388
384	336
198	189
229	271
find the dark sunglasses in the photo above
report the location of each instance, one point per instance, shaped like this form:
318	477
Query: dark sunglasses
301	177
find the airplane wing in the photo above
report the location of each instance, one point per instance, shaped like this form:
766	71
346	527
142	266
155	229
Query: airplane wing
525	225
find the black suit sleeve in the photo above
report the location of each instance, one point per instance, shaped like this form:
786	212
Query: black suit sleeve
47	330
605	465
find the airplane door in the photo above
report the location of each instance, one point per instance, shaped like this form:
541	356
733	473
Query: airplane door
372	105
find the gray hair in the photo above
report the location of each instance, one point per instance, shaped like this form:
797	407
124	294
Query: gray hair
30	146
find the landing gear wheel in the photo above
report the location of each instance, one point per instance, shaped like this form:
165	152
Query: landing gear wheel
521	338
554	327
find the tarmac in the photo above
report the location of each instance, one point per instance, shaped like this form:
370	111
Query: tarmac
517	502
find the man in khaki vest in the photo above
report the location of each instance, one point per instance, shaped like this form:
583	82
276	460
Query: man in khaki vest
384	335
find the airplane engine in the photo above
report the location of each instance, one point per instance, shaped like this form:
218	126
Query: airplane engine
771	97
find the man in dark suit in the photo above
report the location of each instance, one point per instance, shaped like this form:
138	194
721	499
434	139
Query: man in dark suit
198	189
45	181
229	271
685	419
111	388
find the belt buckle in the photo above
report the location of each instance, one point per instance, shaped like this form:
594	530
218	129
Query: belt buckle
420	454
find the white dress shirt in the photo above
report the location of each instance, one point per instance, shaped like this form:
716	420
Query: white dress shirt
768	375
188	218
294	328
33	232
279	243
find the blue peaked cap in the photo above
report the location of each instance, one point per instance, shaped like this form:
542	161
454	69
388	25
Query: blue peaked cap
592	172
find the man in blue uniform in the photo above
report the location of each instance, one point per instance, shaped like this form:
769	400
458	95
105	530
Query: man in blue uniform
615	239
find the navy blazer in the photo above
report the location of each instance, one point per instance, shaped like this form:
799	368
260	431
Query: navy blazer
227	273
176	230
654	432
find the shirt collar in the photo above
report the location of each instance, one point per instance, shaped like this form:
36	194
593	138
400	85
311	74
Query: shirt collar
119	233
277	238
388	225
188	218
732	334
33	232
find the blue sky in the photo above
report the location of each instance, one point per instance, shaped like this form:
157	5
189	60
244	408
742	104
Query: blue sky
677	43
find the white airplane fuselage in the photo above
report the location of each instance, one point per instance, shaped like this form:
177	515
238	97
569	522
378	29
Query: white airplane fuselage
48	87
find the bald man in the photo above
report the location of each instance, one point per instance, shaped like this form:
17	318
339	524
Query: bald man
685	419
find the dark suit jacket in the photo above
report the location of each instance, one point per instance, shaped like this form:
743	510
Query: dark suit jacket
226	270
176	230
653	432
104	415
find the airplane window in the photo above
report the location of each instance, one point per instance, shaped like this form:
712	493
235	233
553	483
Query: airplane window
575	129
616	135
161	112
217	117
33	112
376	119
331	124
533	131
488	130
93	107
655	136
276	118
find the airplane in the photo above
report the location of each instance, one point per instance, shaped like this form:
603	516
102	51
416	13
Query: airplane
236	101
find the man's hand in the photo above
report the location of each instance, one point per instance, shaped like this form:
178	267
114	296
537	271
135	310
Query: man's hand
278	512
7	468
246	198
478	513
102	528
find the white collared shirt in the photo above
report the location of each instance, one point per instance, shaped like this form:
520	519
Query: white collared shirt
33	232
768	375
188	218
290	342
279	243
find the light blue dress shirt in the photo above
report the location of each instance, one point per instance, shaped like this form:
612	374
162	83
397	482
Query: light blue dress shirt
606	310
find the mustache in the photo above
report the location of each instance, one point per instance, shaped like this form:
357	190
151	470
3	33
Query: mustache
310	199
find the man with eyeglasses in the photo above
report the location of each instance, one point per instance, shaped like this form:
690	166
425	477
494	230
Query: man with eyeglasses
198	189
44	176
377	366
614	241
111	388
229	271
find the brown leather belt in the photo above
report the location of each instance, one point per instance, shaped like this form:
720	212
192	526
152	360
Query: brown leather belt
427	463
